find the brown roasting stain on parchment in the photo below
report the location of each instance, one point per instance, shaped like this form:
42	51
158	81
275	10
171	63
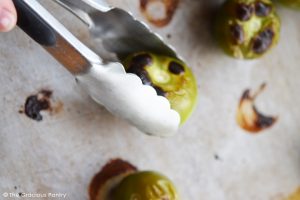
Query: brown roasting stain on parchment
41	101
159	12
108	177
248	117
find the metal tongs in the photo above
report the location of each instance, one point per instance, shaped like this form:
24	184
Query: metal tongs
119	34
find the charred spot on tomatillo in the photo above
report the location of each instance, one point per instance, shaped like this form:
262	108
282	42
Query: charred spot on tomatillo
170	78
247	29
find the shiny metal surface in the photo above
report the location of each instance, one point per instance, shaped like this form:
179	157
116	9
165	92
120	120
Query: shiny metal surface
210	158
115	30
68	50
122	94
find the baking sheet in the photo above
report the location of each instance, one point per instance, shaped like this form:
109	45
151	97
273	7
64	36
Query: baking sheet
210	158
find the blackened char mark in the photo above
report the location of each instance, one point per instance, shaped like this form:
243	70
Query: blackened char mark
141	60
36	103
176	68
137	66
262	10
244	11
263	121
159	91
263	41
237	34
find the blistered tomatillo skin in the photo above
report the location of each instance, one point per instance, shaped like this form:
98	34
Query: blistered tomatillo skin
247	29
170	78
291	3
145	186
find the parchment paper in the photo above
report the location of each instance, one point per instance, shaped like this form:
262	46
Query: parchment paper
210	158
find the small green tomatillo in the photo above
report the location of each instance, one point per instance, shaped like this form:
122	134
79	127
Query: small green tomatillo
291	3
247	29
145	185
170	78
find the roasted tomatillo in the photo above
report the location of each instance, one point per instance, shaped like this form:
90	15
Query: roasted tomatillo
170	78
291	3
145	186
247	29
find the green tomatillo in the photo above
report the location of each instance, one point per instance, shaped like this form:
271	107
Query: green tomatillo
145	186
247	29
170	78
290	3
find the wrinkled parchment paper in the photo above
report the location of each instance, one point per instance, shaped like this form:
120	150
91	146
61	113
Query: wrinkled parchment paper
210	158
